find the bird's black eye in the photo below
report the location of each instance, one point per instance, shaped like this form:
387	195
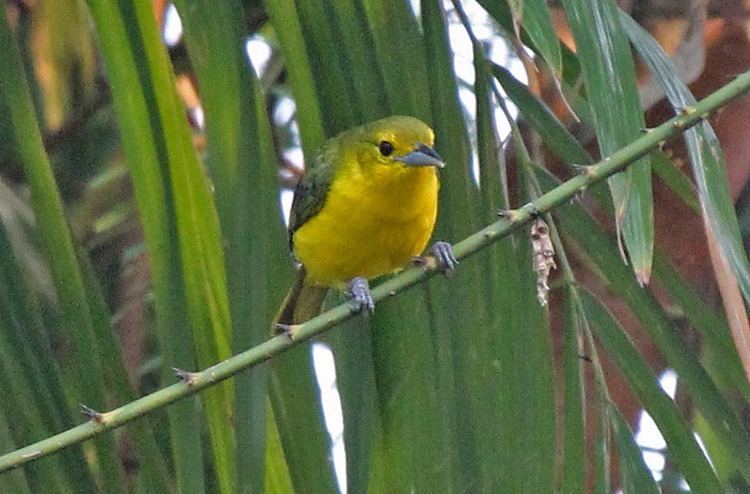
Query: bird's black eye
386	148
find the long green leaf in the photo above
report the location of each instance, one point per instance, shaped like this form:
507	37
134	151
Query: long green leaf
712	327
459	194
299	417
559	139
396	36
492	177
150	458
57	244
29	424
535	19
286	22
335	87
277	479
355	381
33	391
602	457
259	213
296	404
151	124
417	456
531	367
677	181
26	340
636	477
241	159
457	364
682	445
199	244
516	321
350	26
612	94
591	242
706	156
573	440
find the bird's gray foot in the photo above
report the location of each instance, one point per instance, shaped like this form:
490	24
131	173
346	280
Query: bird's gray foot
360	297
446	260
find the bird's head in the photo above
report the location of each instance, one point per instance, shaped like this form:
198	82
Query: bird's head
399	141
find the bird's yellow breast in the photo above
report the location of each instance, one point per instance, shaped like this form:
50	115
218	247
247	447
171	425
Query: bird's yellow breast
373	222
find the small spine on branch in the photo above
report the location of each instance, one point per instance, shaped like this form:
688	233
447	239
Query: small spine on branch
92	414
185	376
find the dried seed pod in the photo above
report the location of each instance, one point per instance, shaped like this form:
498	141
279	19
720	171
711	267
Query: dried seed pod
543	257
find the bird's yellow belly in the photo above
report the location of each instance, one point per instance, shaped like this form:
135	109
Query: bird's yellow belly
368	233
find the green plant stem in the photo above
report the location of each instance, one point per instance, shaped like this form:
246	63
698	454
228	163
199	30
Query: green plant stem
198	381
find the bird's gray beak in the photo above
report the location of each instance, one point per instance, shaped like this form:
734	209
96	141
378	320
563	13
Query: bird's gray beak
422	156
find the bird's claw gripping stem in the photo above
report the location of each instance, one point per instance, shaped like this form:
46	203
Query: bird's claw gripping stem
361	299
446	260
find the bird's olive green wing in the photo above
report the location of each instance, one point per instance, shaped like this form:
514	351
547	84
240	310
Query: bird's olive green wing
312	189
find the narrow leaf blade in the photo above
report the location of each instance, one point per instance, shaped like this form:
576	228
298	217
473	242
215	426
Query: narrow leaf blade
612	94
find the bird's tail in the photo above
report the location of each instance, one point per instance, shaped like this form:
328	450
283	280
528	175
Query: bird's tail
302	303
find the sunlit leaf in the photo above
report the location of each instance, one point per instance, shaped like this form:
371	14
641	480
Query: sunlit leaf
156	143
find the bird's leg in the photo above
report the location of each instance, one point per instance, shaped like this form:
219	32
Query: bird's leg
445	260
359	292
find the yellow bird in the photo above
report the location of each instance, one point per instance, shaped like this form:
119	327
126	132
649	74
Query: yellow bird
364	207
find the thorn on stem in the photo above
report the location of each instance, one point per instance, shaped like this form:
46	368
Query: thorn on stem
687	110
586	170
509	214
185	376
586	358
288	330
91	414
